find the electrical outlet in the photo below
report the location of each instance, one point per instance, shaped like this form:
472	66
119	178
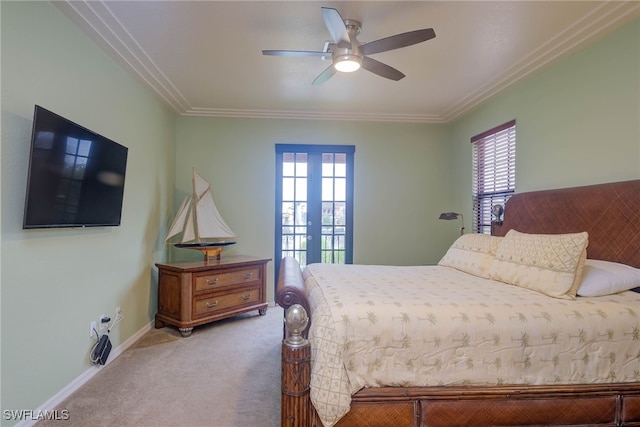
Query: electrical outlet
103	326
118	311
92	329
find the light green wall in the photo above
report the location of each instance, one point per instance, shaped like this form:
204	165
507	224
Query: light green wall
55	282
578	123
398	182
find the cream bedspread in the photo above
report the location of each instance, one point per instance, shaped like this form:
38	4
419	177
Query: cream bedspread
432	325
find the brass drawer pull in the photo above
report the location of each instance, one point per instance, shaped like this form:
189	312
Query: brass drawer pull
212	282
246	297
211	305
247	276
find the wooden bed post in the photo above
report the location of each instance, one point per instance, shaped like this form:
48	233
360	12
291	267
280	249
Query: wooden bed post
296	370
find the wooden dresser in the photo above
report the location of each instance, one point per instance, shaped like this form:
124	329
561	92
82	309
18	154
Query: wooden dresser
193	293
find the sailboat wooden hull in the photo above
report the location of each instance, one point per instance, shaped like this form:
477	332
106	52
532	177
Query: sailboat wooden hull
210	250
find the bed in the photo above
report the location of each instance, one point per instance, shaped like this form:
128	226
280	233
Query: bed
496	340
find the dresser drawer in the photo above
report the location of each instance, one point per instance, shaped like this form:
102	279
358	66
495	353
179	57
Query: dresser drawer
206	306
207	281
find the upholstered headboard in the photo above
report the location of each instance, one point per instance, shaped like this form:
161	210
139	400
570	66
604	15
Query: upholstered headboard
610	213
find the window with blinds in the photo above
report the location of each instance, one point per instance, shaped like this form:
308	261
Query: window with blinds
494	172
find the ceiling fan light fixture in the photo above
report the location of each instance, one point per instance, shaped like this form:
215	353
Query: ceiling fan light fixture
347	63
350	55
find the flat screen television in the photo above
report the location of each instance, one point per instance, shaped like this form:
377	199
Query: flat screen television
75	176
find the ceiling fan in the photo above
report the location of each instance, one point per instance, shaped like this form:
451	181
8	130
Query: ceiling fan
349	55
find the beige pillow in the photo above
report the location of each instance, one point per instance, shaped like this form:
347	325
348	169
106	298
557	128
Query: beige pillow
472	253
548	263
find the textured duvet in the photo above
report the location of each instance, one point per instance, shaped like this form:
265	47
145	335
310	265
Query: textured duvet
437	326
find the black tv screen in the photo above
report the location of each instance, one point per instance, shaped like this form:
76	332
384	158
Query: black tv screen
75	176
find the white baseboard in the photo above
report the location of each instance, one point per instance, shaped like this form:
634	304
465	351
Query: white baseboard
59	397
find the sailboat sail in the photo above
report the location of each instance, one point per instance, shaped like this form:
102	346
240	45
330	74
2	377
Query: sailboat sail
214	227
198	218
178	225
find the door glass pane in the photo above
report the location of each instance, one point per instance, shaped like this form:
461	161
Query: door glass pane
340	189
288	164
327	164
339	214
327	213
287	188
327	189
340	165
301	213
301	188
288	217
301	164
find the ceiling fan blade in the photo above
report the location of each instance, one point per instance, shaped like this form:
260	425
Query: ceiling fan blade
383	70
295	53
397	41
325	75
336	27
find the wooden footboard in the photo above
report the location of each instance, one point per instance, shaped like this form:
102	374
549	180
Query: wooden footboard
615	404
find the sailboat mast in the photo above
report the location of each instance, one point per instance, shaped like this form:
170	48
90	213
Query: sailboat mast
194	204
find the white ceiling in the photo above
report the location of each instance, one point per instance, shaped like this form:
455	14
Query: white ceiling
204	58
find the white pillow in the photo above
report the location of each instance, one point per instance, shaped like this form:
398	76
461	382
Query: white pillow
604	278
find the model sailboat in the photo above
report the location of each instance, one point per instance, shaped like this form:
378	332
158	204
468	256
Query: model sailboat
199	222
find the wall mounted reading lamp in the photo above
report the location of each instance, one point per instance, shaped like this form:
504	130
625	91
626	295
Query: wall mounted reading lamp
454	215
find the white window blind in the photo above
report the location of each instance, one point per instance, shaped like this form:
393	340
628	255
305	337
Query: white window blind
494	172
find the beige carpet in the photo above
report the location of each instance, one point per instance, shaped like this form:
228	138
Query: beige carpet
226	374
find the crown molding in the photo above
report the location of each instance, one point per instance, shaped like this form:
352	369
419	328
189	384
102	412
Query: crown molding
312	115
99	22
607	17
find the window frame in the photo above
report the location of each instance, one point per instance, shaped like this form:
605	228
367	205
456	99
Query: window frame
494	172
